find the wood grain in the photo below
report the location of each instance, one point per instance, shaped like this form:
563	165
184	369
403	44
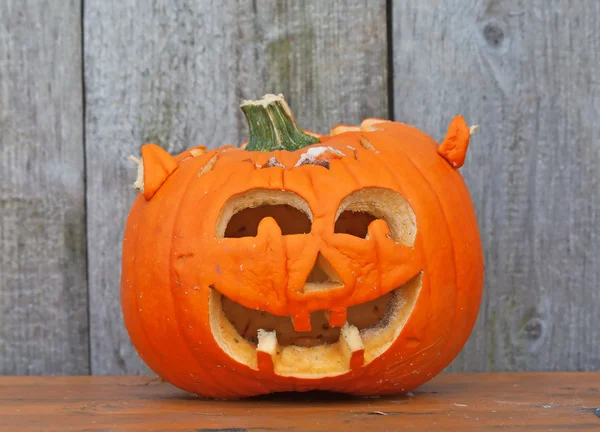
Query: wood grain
175	73
526	72
43	289
514	402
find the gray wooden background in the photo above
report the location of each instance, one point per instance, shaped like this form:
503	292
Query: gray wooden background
83	84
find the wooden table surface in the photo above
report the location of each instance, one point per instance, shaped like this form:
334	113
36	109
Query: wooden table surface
526	401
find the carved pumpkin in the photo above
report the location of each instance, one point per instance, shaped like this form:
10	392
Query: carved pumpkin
350	262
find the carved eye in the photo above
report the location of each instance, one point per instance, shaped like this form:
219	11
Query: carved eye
360	208
242	214
354	223
290	220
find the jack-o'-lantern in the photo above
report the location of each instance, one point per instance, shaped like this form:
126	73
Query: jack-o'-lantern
350	262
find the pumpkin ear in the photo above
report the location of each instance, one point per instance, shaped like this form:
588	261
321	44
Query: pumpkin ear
455	144
154	168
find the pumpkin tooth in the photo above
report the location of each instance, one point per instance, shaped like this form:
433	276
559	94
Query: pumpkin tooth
301	322
336	317
266	351
352	346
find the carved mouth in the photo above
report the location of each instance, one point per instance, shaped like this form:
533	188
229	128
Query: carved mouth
249	322
264	341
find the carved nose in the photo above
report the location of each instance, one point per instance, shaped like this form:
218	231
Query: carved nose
322	276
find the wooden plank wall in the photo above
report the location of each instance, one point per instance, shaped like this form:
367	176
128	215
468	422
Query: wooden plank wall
43	285
174	73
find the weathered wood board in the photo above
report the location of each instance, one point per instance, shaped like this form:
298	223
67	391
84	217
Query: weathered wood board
43	285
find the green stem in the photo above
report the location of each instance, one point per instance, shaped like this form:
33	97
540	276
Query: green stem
272	126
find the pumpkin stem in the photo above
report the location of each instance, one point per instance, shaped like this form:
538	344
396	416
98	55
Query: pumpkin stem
272	126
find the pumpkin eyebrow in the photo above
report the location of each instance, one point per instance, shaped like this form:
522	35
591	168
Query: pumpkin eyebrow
209	165
323	162
320	156
367	144
273	162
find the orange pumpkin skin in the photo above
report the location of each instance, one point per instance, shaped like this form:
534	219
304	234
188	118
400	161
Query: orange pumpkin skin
173	262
